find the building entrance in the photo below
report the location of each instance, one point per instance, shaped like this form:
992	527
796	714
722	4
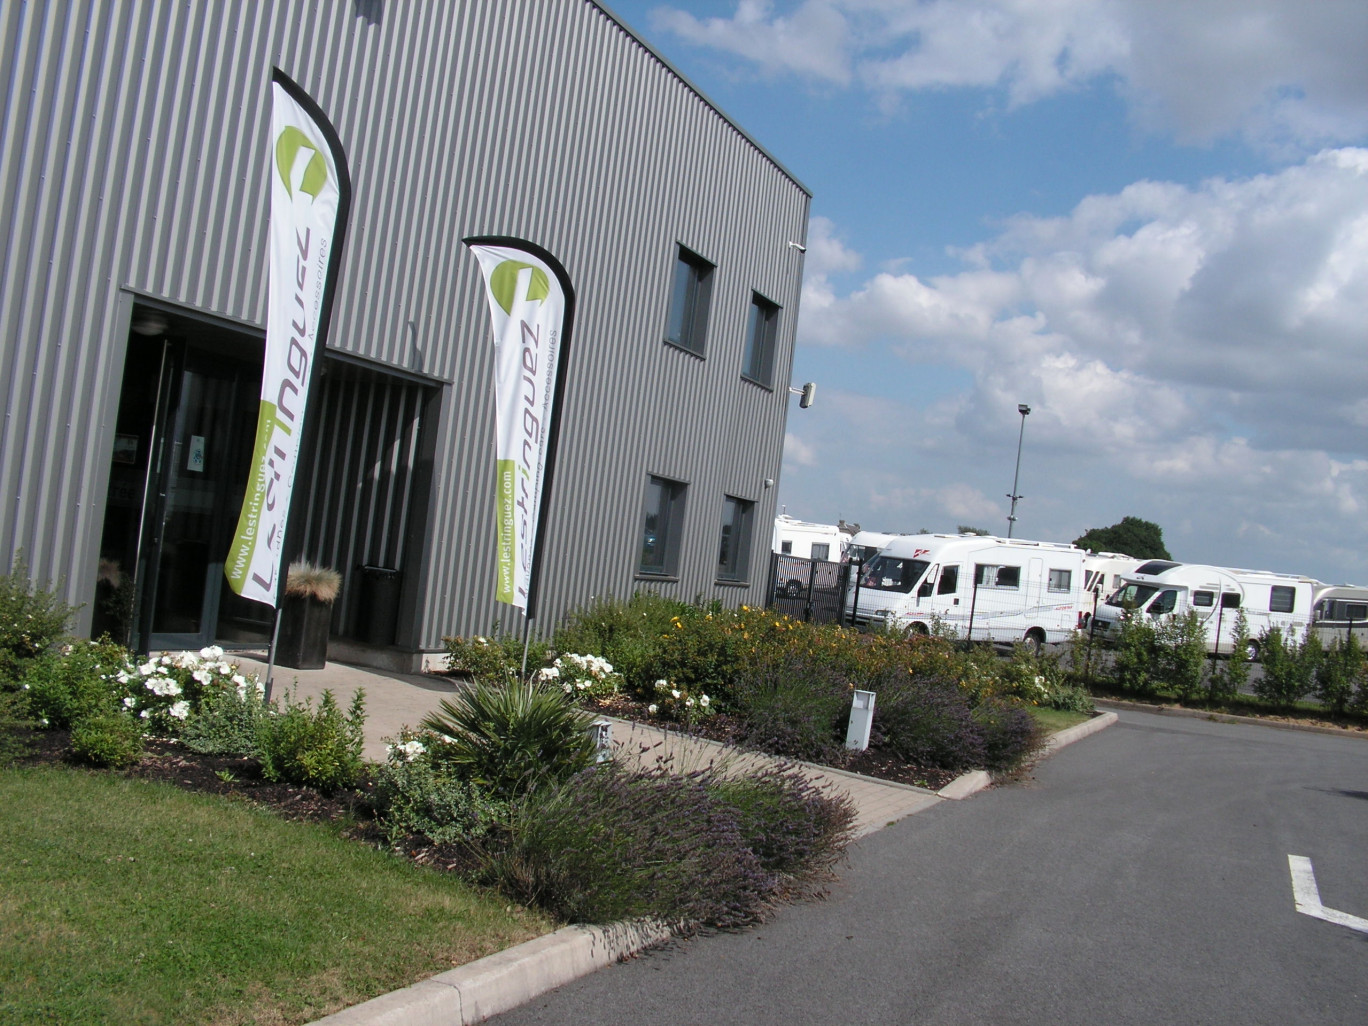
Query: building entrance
182	454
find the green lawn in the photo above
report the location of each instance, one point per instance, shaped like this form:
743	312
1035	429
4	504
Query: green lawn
123	901
1055	720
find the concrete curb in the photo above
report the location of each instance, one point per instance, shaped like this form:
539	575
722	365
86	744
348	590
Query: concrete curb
504	980
1078	732
966	784
1204	714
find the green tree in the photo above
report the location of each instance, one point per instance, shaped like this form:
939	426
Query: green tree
1132	536
967	529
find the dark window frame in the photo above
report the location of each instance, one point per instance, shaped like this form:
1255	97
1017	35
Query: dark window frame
659	542
734	544
686	323
1280	596
762	332
1066	581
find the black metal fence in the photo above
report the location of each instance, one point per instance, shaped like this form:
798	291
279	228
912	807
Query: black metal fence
808	589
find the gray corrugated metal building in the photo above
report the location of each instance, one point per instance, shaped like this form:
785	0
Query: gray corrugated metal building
133	216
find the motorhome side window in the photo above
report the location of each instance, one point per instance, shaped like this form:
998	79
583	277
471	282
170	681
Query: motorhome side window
786	548
1230	600
1060	580
990	576
1165	603
887	573
949	582
820	550
1204	598
1282	599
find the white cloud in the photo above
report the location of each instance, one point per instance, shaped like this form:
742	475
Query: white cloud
797	452
1195	356
812	42
1285	73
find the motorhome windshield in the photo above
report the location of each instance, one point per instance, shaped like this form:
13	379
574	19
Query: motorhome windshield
888	573
861	553
1132	596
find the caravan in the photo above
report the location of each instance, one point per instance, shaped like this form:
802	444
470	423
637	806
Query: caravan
1162	587
980	587
1339	610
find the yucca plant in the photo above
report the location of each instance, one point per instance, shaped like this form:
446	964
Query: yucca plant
511	737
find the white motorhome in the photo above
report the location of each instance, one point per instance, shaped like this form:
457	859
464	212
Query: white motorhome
866	545
1162	587
980	587
1338	610
1103	573
805	542
798	538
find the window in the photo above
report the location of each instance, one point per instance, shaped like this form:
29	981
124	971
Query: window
821	550
1230	600
1061	580
1352	611
786	548
688	323
989	576
1204	599
1165	603
1282	599
759	359
887	573
949	581
662	524
1132	595
733	559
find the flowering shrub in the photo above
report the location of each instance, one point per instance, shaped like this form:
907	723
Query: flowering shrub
164	690
415	796
676	703
627	634
583	676
481	658
65	686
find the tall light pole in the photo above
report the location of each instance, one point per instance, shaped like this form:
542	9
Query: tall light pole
1022	409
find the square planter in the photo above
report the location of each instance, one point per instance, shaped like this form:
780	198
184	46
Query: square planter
303	640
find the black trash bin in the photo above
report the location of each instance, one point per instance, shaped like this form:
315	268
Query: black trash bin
379	604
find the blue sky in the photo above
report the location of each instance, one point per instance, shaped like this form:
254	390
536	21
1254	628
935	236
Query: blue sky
1148	219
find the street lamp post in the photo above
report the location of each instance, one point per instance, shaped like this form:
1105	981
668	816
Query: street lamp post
1022	409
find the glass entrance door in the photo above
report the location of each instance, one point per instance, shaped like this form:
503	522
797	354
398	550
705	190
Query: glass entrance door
182	456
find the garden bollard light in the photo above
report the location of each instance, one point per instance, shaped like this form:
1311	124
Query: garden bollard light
861	719
601	731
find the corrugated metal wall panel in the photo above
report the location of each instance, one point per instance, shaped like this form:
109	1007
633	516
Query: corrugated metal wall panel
136	140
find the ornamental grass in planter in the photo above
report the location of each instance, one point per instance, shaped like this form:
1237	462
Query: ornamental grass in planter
306	616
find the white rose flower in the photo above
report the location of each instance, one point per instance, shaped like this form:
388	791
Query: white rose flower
653	709
180	710
703	701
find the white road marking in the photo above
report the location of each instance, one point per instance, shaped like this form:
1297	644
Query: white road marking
1306	896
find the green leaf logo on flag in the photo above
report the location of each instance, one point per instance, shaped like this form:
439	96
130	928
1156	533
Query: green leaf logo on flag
287	148
503	284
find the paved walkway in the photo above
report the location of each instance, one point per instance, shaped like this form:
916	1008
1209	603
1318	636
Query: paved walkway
396	700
